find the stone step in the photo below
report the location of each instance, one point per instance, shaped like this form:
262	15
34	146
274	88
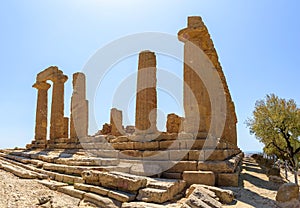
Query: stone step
20	171
178	144
177	155
51	184
135	154
70	179
66	159
113	194
81	191
145	167
115	180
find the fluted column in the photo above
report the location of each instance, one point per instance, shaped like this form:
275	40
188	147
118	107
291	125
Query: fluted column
146	99
41	110
57	127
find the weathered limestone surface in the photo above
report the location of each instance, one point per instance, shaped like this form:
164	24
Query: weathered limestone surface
174	123
101	201
146	100
201	197
116	122
225	196
197	33
57	120
106	129
199	177
161	190
287	192
79	107
115	180
41	110
57	107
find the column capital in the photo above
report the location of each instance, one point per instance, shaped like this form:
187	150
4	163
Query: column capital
41	85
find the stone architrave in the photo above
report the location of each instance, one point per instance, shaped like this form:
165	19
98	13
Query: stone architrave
146	98
57	108
116	122
41	111
79	107
197	33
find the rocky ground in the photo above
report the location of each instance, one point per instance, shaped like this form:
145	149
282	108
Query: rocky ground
255	191
255	188
21	193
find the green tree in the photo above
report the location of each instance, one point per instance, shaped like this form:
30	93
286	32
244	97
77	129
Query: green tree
276	123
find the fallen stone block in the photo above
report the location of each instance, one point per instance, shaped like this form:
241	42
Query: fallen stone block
287	192
201	197
225	196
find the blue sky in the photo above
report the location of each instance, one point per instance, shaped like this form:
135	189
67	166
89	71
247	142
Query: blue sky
257	42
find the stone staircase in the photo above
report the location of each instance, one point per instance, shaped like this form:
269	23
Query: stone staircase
169	155
110	171
100	185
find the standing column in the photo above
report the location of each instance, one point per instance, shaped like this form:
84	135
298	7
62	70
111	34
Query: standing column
41	111
197	105
79	107
197	34
116	122
57	107
146	99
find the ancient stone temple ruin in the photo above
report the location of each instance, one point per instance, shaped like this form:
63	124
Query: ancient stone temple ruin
121	164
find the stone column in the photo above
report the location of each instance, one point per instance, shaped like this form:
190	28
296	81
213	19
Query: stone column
57	107
41	111
146	98
194	88
79	107
66	127
116	122
196	33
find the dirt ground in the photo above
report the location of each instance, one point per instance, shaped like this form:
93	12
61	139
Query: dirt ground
255	190
23	193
